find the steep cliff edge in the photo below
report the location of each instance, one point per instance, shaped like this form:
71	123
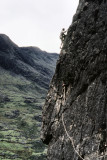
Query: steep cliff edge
74	114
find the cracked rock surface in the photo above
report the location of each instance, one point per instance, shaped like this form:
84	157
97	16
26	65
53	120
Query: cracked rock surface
75	111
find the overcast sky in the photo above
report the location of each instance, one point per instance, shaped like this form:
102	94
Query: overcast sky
36	22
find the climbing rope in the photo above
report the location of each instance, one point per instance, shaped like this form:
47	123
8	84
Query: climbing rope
71	139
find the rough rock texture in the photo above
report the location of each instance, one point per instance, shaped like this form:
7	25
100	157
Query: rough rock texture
74	114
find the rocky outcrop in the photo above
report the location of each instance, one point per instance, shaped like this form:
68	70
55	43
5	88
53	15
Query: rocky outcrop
74	114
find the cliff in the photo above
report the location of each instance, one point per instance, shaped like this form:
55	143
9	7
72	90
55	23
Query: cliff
74	114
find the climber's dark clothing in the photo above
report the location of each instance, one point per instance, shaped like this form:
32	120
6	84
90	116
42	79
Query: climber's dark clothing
62	37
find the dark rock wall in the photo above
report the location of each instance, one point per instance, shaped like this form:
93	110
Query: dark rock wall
74	114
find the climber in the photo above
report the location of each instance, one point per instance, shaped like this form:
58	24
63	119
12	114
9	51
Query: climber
62	37
64	90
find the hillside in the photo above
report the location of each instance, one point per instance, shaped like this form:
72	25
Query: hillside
75	111
25	74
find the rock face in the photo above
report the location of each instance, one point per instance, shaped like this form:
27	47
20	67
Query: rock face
74	114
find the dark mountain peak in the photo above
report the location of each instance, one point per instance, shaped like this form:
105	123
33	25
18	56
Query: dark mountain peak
30	62
37	50
32	48
6	43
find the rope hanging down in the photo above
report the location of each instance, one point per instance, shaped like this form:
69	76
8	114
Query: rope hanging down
71	139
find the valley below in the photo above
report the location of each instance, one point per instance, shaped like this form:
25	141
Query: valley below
25	74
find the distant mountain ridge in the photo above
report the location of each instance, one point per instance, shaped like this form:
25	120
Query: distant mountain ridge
27	61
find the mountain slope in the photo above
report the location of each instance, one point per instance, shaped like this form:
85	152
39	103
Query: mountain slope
30	62
75	111
25	73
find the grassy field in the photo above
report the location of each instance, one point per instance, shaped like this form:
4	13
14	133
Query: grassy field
21	104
